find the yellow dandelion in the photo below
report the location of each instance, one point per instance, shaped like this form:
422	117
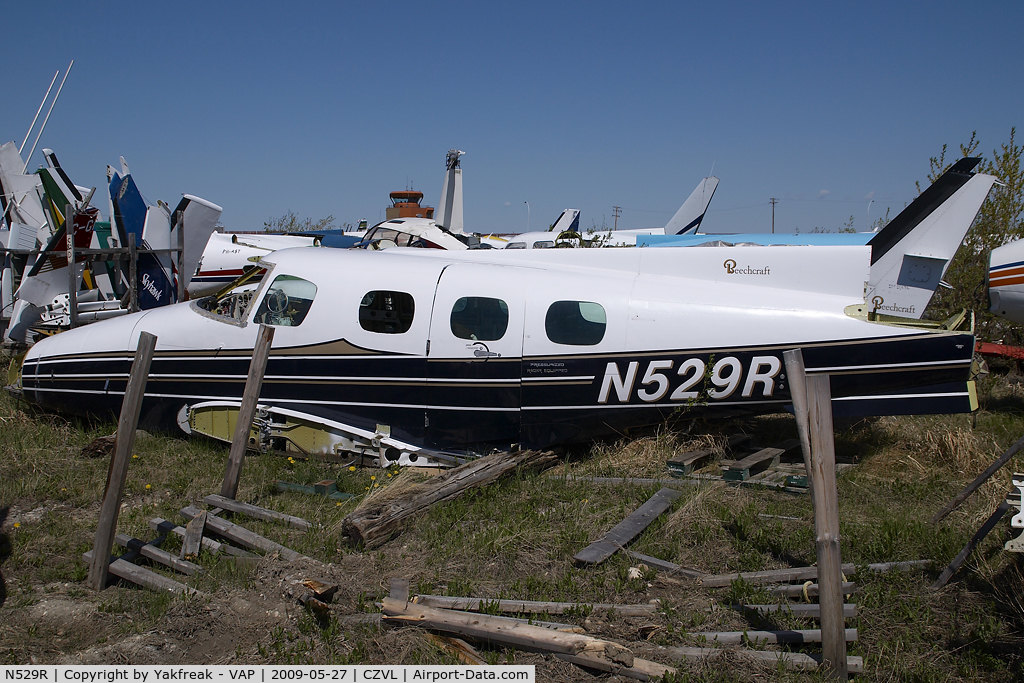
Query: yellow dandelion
17	524
135	457
376	485
337	505
352	468
373	477
367	488
149	486
389	475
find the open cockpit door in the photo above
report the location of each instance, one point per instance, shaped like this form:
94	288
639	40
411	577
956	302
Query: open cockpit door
474	358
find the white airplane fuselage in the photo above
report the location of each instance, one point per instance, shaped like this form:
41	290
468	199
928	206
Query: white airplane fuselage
477	350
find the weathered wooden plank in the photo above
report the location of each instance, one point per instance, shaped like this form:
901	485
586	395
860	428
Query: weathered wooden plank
790	660
247	410
142	576
978	537
215	547
462	650
530	606
768	576
628	529
257	512
812	611
981	479
242	536
641	670
685	463
118	472
379	521
639	481
664	565
790	637
504	631
811	591
741	469
158	555
193	538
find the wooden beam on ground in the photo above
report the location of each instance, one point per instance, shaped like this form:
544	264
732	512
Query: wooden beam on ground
761	637
812	611
739	470
976	484
897	566
242	536
147	550
685	463
768	576
978	537
142	576
664	565
638	481
628	529
789	660
508	632
257	512
641	670
247	411
462	650
193	538
806	591
531	606
116	475
216	547
378	522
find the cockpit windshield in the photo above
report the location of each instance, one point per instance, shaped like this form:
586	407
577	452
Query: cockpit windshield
233	300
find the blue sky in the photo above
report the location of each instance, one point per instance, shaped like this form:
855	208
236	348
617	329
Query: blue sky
324	108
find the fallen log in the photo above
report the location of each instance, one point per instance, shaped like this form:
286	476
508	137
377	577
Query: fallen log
790	637
595	653
376	523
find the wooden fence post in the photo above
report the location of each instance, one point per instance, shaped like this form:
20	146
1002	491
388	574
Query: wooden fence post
130	409
247	410
798	392
826	525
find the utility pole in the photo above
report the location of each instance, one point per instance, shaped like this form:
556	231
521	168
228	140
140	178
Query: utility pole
774	201
616	211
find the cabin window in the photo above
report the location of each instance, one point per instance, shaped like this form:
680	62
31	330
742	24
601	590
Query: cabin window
516	245
578	323
544	244
386	312
286	302
479	318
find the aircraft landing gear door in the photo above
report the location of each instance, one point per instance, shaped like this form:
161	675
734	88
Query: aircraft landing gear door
475	358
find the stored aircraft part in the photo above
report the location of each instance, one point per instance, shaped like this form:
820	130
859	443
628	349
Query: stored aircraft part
290	431
688	218
1017	521
449	214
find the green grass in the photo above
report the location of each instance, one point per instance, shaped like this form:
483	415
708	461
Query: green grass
515	539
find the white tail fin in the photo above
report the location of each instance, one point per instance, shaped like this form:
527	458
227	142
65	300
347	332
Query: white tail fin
449	209
910	255
691	213
568	221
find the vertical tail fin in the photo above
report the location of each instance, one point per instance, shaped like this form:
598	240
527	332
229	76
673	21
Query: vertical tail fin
691	213
910	255
449	210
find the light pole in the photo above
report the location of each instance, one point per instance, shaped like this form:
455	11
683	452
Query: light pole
527	216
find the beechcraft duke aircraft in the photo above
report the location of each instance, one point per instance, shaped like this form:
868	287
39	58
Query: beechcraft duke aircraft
419	355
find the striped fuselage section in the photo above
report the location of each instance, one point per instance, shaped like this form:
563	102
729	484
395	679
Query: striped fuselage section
533	401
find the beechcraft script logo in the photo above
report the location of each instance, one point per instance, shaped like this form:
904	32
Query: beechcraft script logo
732	269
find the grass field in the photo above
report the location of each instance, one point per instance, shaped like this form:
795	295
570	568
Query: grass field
516	539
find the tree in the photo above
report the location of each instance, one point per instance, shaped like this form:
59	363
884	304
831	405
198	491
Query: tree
291	223
1000	220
